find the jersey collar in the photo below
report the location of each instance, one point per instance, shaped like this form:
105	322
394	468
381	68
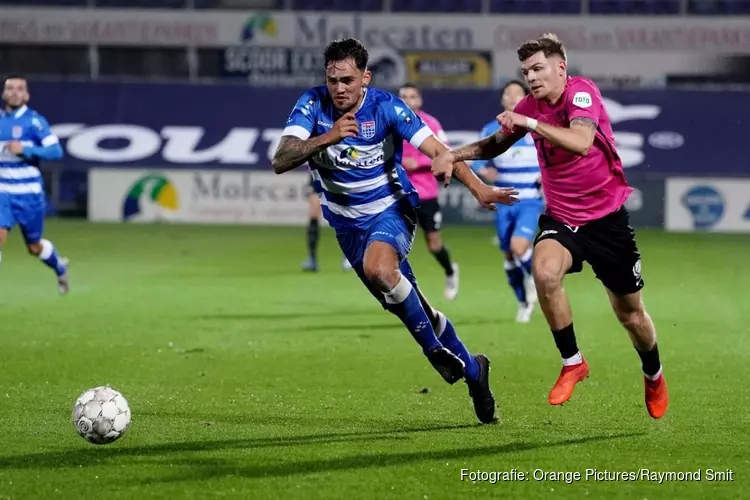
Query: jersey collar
15	114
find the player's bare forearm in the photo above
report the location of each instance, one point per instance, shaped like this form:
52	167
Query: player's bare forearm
433	148
467	176
293	152
486	148
577	139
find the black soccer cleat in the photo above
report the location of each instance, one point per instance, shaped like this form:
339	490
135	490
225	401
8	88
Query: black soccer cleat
447	364
481	395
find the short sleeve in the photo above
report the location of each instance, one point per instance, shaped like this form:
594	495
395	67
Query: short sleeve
583	101
41	132
407	124
301	121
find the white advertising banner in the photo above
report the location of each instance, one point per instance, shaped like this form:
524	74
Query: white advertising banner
197	196
720	205
377	31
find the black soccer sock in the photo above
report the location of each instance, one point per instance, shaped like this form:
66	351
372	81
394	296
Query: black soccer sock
313	234
650	361
444	259
565	339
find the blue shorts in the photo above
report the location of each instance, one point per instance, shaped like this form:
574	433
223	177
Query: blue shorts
517	221
396	227
25	210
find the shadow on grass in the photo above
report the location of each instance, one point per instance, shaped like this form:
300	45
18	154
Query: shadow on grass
94	455
202	469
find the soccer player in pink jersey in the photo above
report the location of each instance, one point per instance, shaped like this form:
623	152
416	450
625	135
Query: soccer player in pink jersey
584	220
418	168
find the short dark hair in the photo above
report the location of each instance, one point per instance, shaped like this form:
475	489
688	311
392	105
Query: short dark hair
14	77
515	82
408	85
548	43
346	48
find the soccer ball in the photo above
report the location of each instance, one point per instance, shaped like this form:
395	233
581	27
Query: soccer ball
101	415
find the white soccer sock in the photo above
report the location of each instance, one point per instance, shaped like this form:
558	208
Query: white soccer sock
655	376
47	250
526	256
576	359
442	323
400	292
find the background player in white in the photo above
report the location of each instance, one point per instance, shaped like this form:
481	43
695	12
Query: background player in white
516	225
26	140
352	138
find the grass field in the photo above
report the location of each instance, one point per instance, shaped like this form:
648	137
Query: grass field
248	379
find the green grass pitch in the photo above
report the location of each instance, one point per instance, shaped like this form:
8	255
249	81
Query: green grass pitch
249	379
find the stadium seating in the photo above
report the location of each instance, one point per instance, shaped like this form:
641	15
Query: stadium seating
569	7
535	6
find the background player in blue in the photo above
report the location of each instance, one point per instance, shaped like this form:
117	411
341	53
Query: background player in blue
25	140
516	225
352	137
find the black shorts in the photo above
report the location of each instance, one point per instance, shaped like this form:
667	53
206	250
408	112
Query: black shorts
429	217
607	244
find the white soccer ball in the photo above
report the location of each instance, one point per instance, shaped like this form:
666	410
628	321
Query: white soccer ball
101	415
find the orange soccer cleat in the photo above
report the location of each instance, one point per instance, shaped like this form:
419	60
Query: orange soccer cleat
569	376
657	398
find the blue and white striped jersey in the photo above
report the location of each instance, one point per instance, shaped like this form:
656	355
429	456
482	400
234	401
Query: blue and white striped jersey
359	178
21	175
518	167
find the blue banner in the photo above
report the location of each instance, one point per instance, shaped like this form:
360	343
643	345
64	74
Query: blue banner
659	133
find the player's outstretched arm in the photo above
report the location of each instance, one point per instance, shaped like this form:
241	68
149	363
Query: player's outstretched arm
485	194
451	162
486	148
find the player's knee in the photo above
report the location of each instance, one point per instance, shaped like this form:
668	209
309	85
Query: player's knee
519	247
631	316
434	243
34	249
547	274
381	274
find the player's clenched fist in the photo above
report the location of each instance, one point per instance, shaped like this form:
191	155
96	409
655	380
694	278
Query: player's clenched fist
512	120
346	126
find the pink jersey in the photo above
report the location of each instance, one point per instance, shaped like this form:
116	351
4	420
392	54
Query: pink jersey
422	179
578	189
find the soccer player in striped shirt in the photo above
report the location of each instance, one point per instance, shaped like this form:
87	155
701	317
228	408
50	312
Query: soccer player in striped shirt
352	137
25	141
516	225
